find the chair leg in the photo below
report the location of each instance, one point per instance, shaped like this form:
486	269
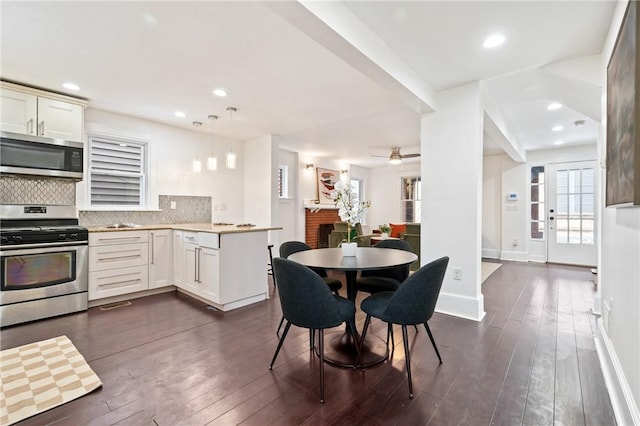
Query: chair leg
393	343
433	342
407	358
364	329
321	349
279	326
352	330
284	334
312	337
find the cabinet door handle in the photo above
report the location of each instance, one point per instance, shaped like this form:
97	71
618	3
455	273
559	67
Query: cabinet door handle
153	248
30	125
41	128
198	269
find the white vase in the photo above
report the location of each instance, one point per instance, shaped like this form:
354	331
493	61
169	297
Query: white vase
349	249
384	235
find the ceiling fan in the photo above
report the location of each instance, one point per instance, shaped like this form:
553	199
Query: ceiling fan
396	158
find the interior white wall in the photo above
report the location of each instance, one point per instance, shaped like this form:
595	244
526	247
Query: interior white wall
259	190
492	205
384	193
451	147
619	280
514	213
171	154
290	206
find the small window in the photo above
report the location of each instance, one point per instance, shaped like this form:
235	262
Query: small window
283	181
410	199
537	203
117	172
356	188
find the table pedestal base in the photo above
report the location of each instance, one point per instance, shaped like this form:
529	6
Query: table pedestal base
340	350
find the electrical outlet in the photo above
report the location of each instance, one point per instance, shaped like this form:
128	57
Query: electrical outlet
173	205
457	274
515	243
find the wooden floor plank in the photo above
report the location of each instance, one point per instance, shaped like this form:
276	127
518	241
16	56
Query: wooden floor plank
169	360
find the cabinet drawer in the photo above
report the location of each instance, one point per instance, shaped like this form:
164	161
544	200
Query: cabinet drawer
117	281
190	237
208	239
118	256
118	237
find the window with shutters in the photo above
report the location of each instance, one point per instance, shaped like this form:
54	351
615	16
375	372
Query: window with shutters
117	172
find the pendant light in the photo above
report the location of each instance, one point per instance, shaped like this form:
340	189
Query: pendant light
212	161
231	156
197	164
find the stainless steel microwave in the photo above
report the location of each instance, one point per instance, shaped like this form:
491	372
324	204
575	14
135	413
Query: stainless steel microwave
40	156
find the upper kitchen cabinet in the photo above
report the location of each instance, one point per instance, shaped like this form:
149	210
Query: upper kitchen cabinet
36	112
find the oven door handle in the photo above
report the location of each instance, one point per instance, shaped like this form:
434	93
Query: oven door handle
41	248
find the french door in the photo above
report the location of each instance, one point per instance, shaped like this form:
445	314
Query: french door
571	213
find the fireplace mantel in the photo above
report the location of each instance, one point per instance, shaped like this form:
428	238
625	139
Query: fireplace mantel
314	208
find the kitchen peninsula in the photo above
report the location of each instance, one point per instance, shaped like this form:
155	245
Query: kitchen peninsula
222	265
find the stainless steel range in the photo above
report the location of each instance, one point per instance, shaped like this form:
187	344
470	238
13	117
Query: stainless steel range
44	262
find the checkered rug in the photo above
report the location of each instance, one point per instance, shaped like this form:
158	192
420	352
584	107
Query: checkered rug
42	375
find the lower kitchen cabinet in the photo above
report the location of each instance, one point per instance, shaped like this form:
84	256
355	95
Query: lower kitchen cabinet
118	263
201	266
226	270
160	258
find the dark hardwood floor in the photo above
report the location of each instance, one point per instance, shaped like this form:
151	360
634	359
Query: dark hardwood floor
169	360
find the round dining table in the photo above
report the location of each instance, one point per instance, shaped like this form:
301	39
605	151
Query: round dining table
341	348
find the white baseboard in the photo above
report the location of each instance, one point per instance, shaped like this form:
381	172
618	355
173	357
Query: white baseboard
517	256
490	253
538	259
461	306
624	406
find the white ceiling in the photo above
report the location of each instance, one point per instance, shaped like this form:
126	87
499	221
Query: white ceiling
287	78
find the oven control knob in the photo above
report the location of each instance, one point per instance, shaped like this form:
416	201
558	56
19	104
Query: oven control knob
62	237
4	240
17	238
73	236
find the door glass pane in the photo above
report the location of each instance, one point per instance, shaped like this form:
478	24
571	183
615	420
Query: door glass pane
574	205
534	193
535	211
587	205
587	181
562	230
562	182
574	181
588	231
574	231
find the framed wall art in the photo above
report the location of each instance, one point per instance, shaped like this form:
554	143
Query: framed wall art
623	114
326	181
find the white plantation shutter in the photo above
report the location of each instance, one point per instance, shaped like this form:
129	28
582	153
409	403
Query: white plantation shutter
117	171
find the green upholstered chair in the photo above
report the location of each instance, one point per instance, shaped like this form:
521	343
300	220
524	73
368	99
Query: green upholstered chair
411	304
412	236
339	234
307	302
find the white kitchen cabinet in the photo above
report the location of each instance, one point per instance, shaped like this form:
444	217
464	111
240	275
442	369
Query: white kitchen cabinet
201	265
37	112
225	270
118	263
160	258
178	262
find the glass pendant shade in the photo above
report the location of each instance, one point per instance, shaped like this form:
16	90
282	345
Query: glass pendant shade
231	160
212	163
197	165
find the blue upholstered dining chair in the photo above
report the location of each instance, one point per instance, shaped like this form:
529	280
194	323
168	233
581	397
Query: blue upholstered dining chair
307	302
411	304
388	279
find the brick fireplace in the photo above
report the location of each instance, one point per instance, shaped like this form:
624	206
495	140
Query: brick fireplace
312	229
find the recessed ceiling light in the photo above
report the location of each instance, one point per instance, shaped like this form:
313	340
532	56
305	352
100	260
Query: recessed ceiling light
71	86
180	114
558	142
220	92
553	106
493	41
557	128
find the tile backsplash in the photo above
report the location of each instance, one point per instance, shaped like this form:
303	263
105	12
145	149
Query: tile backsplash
189	209
37	190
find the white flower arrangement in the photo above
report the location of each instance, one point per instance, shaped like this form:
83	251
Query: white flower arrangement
350	209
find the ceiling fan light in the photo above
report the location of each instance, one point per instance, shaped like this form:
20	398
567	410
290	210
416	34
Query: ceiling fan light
395	161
